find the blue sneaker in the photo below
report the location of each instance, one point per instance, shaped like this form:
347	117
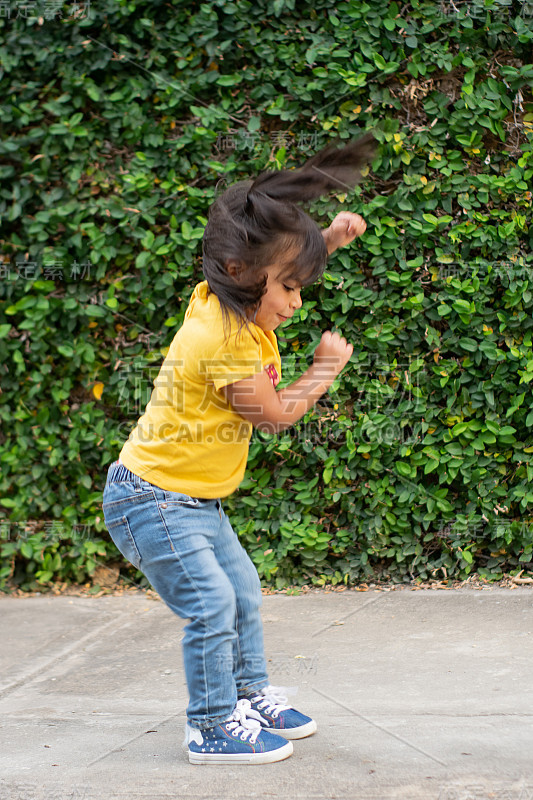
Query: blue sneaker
238	740
270	705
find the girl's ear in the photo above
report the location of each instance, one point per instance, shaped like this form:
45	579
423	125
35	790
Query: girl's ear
234	268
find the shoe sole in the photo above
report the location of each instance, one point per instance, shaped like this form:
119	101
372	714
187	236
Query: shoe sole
295	733
268	757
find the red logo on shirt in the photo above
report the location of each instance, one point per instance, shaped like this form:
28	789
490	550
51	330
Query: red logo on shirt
272	374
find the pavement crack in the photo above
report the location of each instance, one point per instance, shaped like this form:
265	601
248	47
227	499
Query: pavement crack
123	745
341	622
381	728
68	652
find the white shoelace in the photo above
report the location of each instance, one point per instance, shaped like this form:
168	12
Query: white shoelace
275	698
241	722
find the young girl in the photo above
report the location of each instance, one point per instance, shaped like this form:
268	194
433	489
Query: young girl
161	501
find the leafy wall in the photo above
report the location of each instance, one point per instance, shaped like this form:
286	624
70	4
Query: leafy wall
120	121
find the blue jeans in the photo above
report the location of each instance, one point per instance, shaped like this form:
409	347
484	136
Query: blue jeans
191	555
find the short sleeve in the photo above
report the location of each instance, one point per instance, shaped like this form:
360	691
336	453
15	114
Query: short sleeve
233	361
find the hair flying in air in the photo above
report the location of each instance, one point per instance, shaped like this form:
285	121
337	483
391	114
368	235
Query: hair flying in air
256	223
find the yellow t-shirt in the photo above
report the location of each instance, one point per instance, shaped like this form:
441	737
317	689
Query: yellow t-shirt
190	439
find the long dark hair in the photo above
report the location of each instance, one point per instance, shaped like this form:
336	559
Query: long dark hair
256	223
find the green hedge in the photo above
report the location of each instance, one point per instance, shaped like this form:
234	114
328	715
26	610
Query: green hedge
121	121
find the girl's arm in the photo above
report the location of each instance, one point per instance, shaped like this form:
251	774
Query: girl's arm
343	230
270	411
256	399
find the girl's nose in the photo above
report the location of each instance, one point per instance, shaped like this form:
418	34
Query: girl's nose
296	300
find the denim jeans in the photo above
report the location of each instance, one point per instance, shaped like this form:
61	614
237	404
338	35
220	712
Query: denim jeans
191	555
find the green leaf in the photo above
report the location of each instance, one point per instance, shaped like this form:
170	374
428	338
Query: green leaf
93	92
506	430
148	240
461	306
229	80
26	550
468	344
403	469
186	230
143	259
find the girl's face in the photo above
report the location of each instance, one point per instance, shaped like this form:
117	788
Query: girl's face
280	301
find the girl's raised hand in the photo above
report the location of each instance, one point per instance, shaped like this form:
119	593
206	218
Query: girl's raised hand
344	229
332	353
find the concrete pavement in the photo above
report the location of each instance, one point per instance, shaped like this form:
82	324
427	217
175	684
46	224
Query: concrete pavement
417	694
